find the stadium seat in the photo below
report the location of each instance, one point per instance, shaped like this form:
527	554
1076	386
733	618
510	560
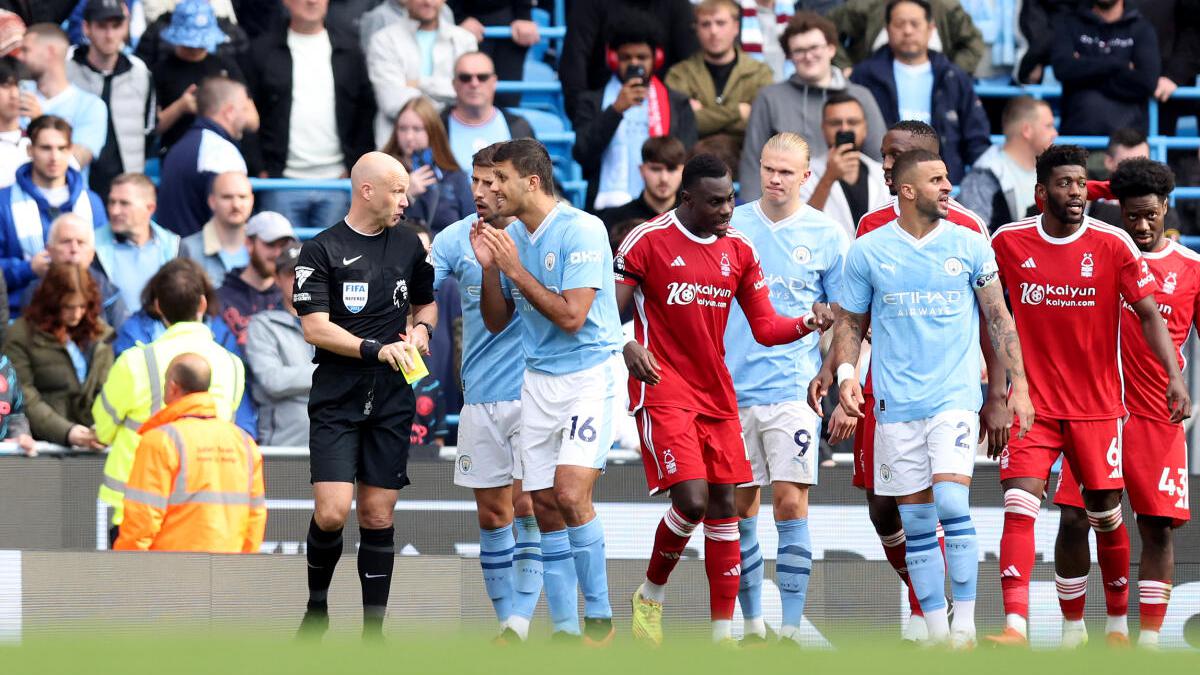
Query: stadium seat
537	71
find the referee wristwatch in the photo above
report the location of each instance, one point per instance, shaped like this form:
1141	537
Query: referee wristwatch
428	327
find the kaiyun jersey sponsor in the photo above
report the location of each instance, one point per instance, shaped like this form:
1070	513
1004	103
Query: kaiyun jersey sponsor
1057	296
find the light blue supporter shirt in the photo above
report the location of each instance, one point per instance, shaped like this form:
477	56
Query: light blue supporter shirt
425	42
78	361
86	113
568	250
468	139
801	257
133	266
489	361
924	316
914	91
232	260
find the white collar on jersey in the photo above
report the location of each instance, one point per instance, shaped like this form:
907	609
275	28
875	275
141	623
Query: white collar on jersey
699	240
1161	253
776	224
923	241
1062	241
544	225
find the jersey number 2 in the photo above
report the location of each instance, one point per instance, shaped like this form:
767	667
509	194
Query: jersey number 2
961	440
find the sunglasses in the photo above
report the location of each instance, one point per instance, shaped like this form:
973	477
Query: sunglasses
466	78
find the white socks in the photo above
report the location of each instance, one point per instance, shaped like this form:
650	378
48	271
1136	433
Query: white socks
653	591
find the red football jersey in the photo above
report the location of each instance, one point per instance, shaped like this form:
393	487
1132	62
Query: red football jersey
1177	270
873	220
1066	300
685	285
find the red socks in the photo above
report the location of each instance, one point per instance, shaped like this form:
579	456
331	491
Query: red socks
672	536
893	548
1017	549
1153	597
723	564
1112	550
1072	596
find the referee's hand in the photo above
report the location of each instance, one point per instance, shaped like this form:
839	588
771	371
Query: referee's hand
396	355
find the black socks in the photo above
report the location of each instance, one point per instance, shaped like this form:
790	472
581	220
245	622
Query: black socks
376	555
324	551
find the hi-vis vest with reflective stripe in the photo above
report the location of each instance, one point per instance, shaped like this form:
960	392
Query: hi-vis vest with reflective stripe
134	391
196	485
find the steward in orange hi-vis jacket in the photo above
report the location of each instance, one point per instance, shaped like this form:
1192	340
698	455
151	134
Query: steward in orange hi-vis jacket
197	480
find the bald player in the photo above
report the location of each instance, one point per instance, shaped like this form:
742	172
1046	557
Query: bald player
356	284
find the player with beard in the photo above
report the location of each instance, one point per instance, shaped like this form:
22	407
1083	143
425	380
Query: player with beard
1067	277
903	137
489	428
553	265
683	270
1155	468
926	283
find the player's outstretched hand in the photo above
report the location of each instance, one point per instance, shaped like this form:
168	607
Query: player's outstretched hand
841	426
995	419
641	363
818	388
1179	403
396	355
822	316
851	398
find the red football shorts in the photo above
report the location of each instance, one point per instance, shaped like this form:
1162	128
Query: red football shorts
679	445
1155	468
864	447
1092	448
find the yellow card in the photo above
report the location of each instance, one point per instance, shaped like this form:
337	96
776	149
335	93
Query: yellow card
418	370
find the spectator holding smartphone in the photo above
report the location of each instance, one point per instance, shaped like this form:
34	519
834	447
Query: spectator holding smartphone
612	124
439	191
845	183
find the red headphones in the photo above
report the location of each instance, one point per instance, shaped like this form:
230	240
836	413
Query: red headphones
610	57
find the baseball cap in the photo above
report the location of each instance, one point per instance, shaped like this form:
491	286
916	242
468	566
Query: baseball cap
286	262
269	226
101	10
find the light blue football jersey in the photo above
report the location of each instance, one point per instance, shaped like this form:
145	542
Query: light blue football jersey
568	250
924	316
488	360
802	258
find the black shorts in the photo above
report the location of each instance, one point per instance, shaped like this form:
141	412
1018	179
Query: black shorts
360	423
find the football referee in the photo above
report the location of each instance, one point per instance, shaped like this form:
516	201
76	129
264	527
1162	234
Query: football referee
356	283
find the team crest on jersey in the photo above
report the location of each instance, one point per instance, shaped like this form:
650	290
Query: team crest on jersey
885	473
400	293
354	295
1087	266
801	255
953	266
464	464
550	260
726	268
1169	282
669	461
302	275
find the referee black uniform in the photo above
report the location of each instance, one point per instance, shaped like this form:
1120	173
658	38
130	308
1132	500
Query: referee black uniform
361	413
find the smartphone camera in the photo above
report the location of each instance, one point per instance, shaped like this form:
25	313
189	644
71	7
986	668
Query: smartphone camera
634	71
843	138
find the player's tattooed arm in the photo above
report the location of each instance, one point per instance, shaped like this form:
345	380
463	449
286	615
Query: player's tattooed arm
1179	403
848	331
1002	333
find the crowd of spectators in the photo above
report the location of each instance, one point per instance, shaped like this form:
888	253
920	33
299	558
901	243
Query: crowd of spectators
130	130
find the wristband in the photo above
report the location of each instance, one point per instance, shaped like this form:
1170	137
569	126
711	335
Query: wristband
369	350
810	321
845	372
428	327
